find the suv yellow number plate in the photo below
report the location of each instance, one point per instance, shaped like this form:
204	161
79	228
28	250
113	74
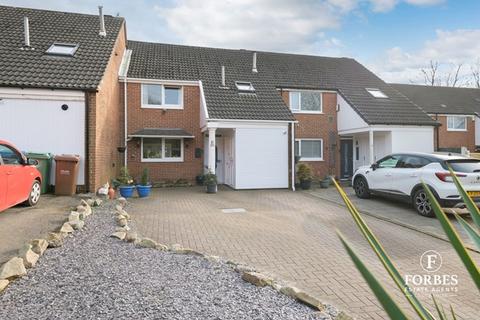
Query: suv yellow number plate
474	194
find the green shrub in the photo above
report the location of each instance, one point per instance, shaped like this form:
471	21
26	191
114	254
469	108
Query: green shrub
304	172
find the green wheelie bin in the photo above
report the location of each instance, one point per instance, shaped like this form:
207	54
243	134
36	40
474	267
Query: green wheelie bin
44	166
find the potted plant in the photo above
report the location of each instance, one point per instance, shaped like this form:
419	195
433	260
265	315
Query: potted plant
126	183
210	180
144	188
325	182
304	174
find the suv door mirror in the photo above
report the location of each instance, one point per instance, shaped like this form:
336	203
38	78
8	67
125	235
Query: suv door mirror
374	166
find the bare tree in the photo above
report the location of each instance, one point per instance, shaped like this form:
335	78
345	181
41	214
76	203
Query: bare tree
475	68
430	74
451	78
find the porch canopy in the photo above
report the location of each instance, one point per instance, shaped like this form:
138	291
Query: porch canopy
161	133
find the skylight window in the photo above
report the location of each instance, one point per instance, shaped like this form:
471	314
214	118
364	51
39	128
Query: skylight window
244	86
377	93
62	49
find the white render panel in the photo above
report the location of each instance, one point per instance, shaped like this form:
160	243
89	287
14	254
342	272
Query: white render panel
413	139
33	120
347	118
261	157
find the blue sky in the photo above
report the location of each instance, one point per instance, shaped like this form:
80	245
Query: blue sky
394	38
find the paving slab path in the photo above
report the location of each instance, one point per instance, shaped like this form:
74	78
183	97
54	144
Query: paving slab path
292	234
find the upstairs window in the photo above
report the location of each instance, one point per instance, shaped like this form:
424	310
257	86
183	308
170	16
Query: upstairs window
456	123
244	87
162	96
306	101
377	93
62	49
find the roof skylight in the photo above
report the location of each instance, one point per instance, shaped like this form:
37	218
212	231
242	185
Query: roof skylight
244	86
63	49
377	93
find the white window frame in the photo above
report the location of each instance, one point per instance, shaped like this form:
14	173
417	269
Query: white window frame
456	117
163	159
300	149
300	102
163	105
380	95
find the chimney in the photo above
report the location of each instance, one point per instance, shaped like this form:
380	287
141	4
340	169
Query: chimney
26	31
254	66
223	76
102	32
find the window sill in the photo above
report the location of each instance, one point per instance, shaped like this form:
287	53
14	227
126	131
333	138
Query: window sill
154	106
457	130
307	112
310	159
162	160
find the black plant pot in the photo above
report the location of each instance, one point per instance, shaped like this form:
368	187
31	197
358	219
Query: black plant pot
211	188
305	184
325	183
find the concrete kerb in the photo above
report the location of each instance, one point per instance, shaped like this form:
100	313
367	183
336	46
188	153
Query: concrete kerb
246	272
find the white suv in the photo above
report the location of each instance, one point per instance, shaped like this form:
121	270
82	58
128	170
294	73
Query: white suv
400	176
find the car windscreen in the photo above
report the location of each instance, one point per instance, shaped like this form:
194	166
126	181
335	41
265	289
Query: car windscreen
464	165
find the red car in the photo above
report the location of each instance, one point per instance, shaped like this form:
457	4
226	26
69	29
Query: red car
19	179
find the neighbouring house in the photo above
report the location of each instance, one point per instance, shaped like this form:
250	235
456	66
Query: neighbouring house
248	116
59	89
456	109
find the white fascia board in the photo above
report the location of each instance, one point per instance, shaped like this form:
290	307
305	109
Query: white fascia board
165	82
41	94
203	102
383	128
245	124
451	115
125	64
158	136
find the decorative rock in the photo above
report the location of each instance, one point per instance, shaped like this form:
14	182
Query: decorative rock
244	268
77	225
289	291
118	208
213	259
88	209
148	243
66	228
119	235
3	284
90	202
122	201
125	215
97	202
12	269
29	257
74	216
122	229
131	237
55	240
256	279
39	246
309	300
161	247
122	222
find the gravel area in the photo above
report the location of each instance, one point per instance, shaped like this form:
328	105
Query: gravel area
94	276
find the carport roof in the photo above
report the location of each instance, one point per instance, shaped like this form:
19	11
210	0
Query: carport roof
161	132
276	71
32	67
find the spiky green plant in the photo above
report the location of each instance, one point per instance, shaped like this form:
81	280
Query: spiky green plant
390	306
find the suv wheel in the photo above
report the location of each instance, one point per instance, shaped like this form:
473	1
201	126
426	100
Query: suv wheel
360	186
421	203
34	195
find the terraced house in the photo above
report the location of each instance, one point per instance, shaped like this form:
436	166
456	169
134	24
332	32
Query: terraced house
250	116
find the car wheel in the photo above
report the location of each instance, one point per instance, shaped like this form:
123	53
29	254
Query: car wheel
34	196
360	186
422	204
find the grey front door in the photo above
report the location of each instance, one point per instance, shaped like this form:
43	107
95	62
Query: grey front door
346	158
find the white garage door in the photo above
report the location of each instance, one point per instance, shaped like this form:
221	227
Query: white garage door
34	120
261	158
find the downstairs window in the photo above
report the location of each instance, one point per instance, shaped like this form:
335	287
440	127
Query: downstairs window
162	150
309	149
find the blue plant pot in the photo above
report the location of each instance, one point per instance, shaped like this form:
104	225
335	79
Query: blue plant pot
143	191
126	191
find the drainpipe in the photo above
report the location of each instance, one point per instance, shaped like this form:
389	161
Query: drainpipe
125	122
370	146
292	147
437	138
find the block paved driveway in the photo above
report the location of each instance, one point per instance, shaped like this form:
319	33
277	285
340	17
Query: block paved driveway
292	235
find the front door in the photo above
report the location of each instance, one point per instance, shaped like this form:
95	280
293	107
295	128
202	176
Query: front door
219	160
229	161
346	158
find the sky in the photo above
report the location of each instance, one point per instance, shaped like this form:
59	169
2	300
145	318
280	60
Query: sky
393	38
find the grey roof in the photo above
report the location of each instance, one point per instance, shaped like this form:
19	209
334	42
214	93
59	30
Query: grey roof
444	100
275	70
162	132
34	68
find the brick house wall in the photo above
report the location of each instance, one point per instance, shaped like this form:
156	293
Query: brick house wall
454	139
105	131
188	119
322	126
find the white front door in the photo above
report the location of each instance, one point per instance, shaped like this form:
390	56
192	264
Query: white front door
229	161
